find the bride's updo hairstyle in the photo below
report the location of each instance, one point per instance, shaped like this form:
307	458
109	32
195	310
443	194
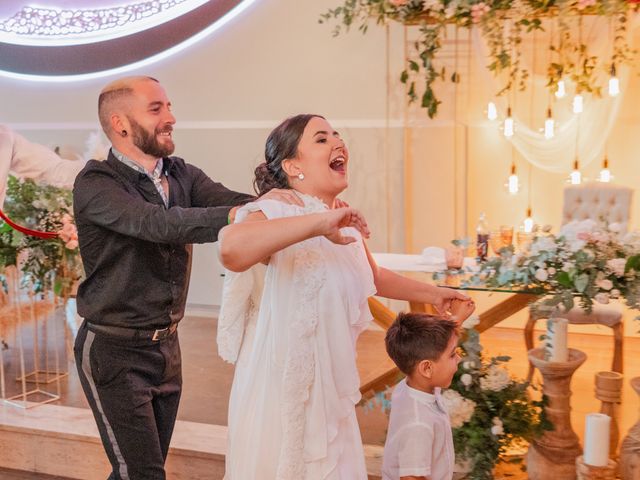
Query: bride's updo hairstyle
282	144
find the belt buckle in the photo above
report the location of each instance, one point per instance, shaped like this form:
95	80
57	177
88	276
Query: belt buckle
159	334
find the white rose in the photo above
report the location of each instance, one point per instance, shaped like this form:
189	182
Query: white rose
615	293
615	227
471	322
602	298
551	270
497	430
467	365
541	275
496	379
466	379
460	409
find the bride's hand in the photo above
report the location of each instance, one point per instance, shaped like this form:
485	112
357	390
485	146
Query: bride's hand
333	220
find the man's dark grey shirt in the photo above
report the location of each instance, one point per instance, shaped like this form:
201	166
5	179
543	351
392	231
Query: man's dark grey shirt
137	253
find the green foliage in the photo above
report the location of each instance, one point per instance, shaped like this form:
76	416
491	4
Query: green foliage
571	57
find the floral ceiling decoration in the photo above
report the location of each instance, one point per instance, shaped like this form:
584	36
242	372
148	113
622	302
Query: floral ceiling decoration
503	25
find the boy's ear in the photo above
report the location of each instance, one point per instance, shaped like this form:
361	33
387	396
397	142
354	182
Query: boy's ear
425	368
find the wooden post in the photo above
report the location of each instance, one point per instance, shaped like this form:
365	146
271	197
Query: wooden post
609	392
553	455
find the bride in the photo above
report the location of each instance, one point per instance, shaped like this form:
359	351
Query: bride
293	310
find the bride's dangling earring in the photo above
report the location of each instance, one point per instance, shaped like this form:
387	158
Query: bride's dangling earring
301	176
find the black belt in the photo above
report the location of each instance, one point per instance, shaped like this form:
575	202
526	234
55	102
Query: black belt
134	333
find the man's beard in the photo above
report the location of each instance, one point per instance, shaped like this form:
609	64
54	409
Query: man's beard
148	142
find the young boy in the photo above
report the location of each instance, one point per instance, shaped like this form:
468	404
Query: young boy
419	441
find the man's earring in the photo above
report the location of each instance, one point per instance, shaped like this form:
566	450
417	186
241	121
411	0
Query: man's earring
301	176
123	133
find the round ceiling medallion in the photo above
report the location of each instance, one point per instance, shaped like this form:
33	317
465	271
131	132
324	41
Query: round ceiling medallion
65	41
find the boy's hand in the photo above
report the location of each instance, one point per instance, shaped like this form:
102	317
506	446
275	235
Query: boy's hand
461	309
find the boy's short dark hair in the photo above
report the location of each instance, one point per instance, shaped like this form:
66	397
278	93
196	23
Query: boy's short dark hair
414	337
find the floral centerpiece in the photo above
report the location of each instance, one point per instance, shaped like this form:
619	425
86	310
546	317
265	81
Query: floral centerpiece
490	411
587	261
48	264
502	24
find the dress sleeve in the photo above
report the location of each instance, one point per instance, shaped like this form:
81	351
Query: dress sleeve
415	447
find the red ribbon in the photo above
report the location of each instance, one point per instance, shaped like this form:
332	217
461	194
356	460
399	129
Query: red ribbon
27	231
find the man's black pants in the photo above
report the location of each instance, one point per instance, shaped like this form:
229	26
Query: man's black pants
133	388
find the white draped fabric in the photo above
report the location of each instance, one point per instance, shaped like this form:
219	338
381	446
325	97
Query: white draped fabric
587	131
292	404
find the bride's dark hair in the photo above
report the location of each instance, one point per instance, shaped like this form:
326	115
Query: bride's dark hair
282	144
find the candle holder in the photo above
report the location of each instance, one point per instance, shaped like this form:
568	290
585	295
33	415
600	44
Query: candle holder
589	472
553	455
630	448
609	392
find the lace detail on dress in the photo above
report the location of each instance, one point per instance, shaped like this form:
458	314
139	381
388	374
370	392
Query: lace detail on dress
299	368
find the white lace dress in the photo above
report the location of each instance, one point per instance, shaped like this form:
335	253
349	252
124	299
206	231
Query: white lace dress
292	405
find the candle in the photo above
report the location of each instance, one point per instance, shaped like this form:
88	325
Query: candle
556	342
596	440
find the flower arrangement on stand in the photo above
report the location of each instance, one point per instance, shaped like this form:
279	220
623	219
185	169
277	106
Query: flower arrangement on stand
490	411
47	264
503	25
587	261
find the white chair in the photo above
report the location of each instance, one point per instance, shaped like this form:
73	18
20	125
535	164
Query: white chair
600	202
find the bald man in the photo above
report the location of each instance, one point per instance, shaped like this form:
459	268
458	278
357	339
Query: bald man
137	213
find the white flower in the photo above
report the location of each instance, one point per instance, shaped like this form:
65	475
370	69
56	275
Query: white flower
570	231
496	379
471	322
431	5
567	266
468	365
615	293
497	428
541	275
616	265
602	298
605	284
551	270
466	379
460	409
544	244
616	227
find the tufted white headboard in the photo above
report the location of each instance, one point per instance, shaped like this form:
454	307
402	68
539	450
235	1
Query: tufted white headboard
598	201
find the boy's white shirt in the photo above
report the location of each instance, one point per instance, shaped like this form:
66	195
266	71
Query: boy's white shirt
419	439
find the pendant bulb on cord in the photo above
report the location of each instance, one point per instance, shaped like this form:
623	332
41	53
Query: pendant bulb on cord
614	82
549	125
578	103
513	183
605	173
575	177
492	111
508	124
528	222
561	91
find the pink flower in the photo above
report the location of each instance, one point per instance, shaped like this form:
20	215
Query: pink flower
66	218
586	236
68	232
71	244
478	10
398	3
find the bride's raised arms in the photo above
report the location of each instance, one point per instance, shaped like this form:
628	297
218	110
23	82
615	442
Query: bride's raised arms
255	239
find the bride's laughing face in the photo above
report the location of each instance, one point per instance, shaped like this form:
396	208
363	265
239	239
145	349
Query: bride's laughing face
322	159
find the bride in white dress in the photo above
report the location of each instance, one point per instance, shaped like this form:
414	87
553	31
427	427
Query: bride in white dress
291	326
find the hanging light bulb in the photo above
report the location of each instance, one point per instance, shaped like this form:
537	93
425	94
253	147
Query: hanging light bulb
578	103
614	83
513	185
575	177
528	222
492	111
549	125
508	124
605	173
561	91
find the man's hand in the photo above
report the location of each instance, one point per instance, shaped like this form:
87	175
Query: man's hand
334	220
283	195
